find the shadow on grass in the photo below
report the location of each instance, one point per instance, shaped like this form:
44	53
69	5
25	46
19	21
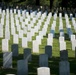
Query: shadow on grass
65	35
34	64
1	60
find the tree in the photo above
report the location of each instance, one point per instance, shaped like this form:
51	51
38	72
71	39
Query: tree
51	3
30	2
37	2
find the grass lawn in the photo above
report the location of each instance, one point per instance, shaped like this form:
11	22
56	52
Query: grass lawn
53	62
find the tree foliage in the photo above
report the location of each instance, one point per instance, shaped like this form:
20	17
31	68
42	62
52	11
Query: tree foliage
52	3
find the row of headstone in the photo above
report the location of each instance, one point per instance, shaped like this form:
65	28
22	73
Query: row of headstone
53	28
61	25
15	36
22	65
48	47
68	26
24	41
63	51
42	33
43	61
64	66
69	32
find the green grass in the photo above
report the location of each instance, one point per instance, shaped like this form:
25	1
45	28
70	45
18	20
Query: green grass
53	62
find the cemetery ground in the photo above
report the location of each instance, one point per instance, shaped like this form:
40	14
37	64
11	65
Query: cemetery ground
53	62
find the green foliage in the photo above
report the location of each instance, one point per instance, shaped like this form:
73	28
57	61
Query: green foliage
72	3
57	3
52	3
30	2
44	2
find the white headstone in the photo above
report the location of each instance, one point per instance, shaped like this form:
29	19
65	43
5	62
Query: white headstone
14	11
2	21
18	28
10	74
29	36
15	39
73	44
72	37
43	71
38	38
4	12
61	33
50	41
24	42
7	35
17	22
61	38
62	45
35	47
1	30
13	31
20	33
11	11
0	10
5	45
50	35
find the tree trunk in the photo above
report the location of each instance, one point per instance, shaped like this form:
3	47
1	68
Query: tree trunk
51	3
37	2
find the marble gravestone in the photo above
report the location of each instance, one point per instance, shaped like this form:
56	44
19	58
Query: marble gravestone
43	71
22	67
20	33
64	55
48	51
5	45
14	11
61	33
14	49
73	45
61	39
64	68
29	36
7	60
27	54
62	45
50	41
43	60
72	37
35	47
24	42
1	30
15	39
0	10
2	21
10	74
39	39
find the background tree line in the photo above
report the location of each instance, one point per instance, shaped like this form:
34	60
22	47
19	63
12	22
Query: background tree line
51	3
